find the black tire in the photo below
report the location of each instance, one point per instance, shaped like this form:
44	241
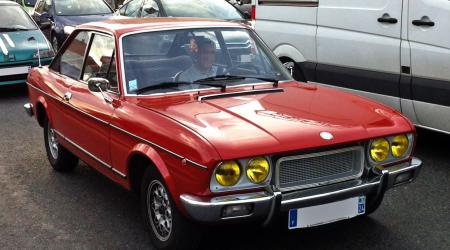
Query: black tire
177	232
297	72
60	158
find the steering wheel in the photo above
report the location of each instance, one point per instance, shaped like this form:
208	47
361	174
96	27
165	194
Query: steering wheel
228	70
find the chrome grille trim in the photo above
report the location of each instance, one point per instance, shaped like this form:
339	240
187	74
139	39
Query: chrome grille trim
357	168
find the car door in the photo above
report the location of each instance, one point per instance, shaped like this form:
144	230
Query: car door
358	47
429	37
64	72
91	111
43	20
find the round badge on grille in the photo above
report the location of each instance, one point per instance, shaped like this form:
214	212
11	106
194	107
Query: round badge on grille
326	135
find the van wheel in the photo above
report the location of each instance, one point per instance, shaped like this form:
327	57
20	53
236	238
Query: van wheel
168	228
297	72
60	158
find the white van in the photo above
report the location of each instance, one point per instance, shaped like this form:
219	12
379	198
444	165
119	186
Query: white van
394	51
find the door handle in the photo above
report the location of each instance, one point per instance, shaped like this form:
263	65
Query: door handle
424	21
386	18
67	96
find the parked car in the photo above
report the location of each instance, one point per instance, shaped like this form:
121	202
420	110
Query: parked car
161	106
396	52
57	18
217	9
22	44
27	5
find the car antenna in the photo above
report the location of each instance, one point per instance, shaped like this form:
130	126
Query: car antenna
38	52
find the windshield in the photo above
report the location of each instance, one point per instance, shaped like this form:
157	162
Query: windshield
178	60
30	3
14	18
85	7
201	8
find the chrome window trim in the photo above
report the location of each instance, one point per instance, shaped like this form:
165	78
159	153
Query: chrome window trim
122	64
311	155
104	164
190	162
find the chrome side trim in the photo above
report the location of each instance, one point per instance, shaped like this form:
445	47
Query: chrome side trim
190	162
239	93
104	164
432	129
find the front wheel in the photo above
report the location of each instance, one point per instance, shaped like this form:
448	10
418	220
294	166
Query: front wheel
60	158
168	228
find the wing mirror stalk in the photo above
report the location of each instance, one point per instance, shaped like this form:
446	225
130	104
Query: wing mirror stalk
98	84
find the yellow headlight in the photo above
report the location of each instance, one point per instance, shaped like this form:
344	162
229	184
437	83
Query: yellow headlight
400	144
228	173
258	170
379	149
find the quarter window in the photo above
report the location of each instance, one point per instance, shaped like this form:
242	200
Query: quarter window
73	56
100	60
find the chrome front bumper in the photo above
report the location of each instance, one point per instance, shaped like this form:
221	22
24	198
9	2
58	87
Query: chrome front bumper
265	204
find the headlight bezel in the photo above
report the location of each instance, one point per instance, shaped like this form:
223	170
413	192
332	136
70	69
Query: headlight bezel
391	158
244	183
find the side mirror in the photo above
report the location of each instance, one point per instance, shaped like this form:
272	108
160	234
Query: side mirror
289	66
97	84
247	15
151	10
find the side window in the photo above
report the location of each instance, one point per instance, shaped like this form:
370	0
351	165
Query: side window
150	9
133	7
100	60
48	7
72	58
40	6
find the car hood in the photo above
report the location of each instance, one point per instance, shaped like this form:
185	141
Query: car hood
258	124
77	20
16	46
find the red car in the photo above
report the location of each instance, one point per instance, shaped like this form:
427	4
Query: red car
201	119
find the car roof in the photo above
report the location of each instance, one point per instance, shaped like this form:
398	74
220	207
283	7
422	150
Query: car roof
120	25
2	2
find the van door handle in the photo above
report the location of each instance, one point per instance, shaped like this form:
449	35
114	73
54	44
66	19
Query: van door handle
424	21
386	18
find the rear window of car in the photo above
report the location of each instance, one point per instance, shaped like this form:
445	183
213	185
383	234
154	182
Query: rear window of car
14	17
85	7
201	8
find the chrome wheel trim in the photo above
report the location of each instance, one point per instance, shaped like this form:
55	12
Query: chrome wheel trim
52	142
159	210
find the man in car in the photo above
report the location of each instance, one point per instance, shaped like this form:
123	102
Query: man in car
204	58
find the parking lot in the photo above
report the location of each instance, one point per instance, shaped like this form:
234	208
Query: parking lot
42	209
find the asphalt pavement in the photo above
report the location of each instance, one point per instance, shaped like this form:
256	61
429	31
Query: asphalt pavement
42	209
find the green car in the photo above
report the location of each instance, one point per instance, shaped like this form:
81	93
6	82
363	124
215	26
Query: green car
22	44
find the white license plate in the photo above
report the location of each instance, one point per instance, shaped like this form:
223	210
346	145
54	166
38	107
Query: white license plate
15	71
326	213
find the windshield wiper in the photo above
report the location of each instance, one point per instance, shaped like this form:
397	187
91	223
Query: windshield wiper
204	81
159	86
232	77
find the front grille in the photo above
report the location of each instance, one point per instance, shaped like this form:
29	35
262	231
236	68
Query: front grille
316	169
